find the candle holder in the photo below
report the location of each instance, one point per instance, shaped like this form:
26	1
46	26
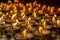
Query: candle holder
28	36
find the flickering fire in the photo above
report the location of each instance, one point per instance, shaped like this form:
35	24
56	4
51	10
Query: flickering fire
44	24
34	14
29	19
52	9
58	22
14	24
40	30
29	27
46	15
42	20
24	33
43	7
14	15
58	9
53	19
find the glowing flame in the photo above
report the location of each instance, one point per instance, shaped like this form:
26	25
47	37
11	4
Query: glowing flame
29	19
48	8
1	18
29	27
53	19
40	11
40	30
58	22
23	16
14	24
22	13
43	7
42	20
55	15
46	15
52	9
16	1
14	15
58	9
34	3
24	33
34	14
9	1
44	24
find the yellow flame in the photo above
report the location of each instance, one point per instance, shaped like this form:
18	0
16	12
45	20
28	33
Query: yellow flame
40	30
48	8
13	16
34	3
1	18
40	11
23	16
16	0
29	27
46	15
0	12
34	14
22	13
52	9
29	19
58	22
43	7
24	33
55	15
58	9
44	24
42	20
9	1
14	24
53	19
39	5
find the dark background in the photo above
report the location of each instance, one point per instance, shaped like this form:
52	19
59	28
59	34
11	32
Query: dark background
46	2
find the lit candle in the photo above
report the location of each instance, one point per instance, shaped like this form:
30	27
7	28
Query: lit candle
40	30
14	24
34	14
44	24
53	19
52	9
58	22
13	16
58	9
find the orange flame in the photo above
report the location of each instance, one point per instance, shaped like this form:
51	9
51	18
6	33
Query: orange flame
14	24
40	30
24	33
58	22
14	15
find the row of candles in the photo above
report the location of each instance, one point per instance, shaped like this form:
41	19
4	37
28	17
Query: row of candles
13	16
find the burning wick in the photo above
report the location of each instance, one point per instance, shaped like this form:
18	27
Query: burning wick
40	30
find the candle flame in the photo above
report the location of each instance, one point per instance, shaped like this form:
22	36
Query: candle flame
58	22
29	19
58	9
52	9
40	30
42	20
24	33
13	16
44	24
43	7
29	27
53	19
14	24
34	14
